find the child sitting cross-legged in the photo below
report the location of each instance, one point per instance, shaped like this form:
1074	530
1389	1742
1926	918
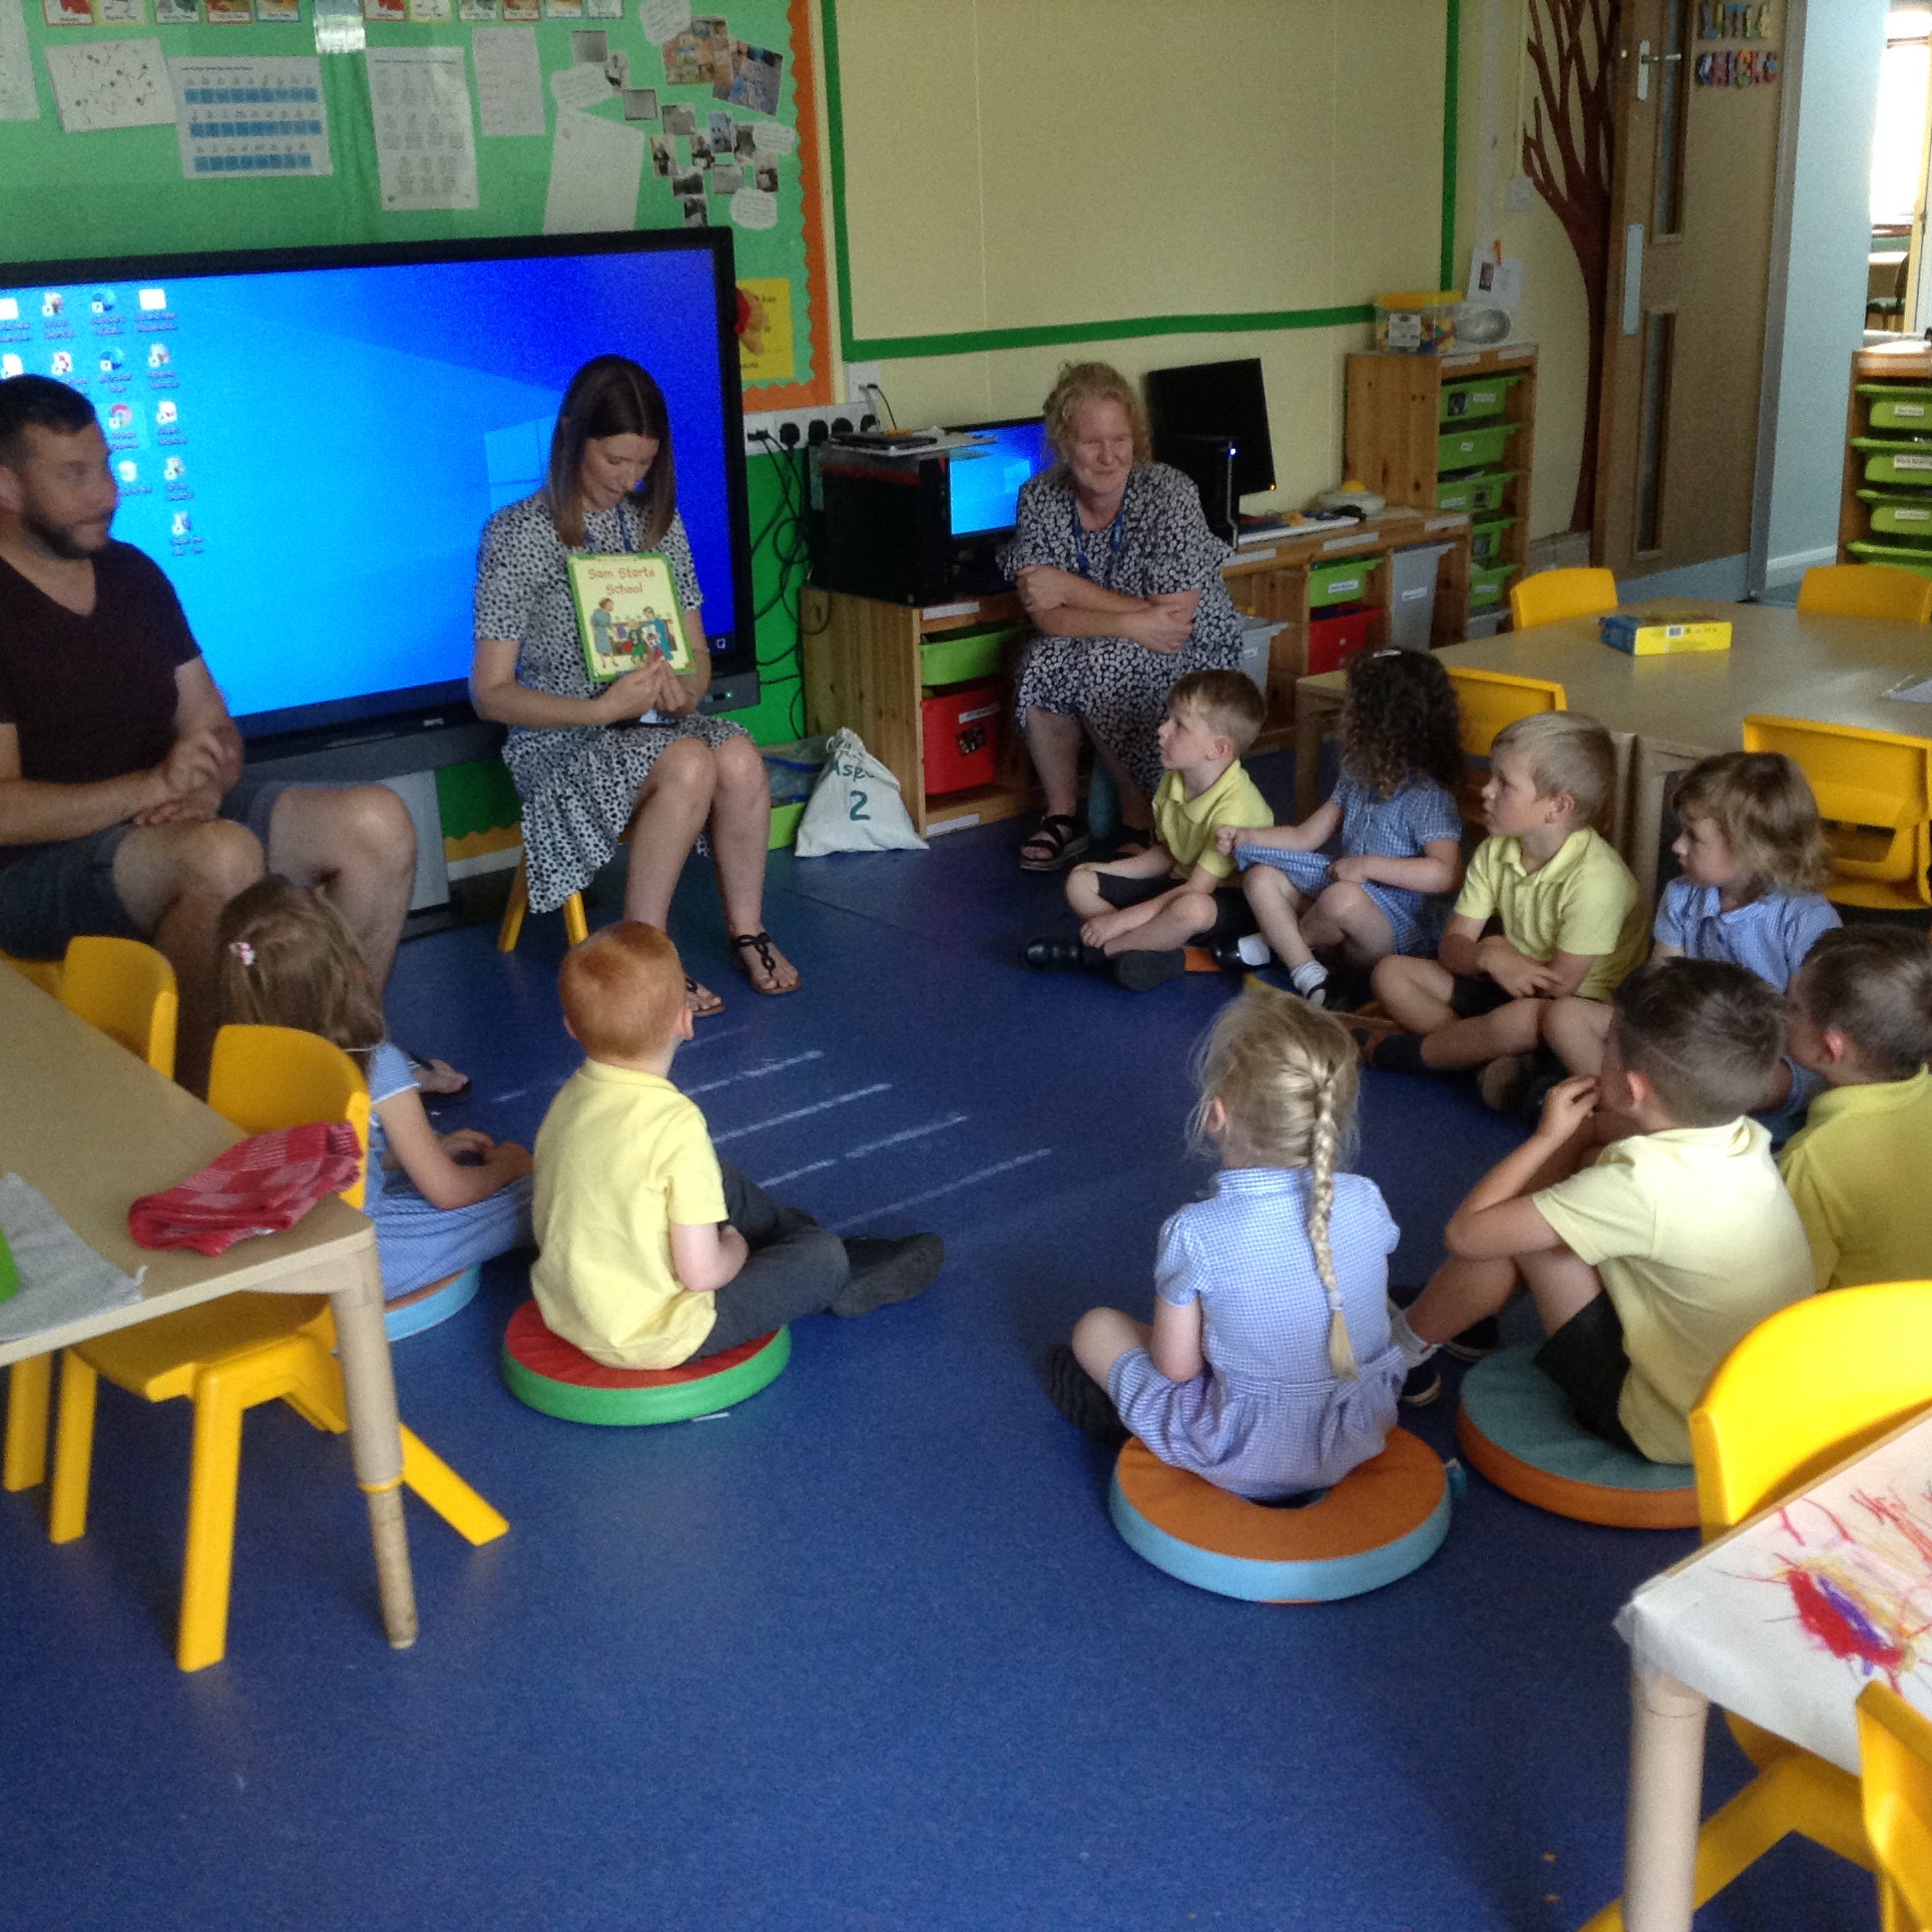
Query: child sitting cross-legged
1268	1368
653	1251
1142	913
1402	832
1649	1263
1571	919
1861	1170
1754	858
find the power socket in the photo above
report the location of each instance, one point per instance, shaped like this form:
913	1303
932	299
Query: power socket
811	425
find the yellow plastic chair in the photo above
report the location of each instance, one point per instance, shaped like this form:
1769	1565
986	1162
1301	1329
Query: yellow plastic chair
227	1356
1874	791
1866	590
44	973
1815	1383
576	927
1552	595
126	990
1895	1751
1486	701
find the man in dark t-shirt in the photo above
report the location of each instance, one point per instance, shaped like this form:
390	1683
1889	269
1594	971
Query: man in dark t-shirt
120	811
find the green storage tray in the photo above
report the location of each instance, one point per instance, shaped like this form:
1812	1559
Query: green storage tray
1888	460
963	657
1485	490
1485	395
1342	582
1900	516
1485	539
1474	449
1486	586
1896	406
1899	556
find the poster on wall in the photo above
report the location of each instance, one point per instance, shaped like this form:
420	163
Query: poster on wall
18	101
764	340
419	99
241	117
100	83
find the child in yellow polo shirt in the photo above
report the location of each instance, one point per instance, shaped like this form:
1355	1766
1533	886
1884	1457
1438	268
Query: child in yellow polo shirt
1571	919
1649	1263
1861	1170
1141	912
653	1251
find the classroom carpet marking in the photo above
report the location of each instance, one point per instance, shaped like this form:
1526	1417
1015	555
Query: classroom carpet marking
802	1113
951	1187
757	1073
792	1173
905	1134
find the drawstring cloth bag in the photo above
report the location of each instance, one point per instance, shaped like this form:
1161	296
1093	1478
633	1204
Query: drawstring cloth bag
855	806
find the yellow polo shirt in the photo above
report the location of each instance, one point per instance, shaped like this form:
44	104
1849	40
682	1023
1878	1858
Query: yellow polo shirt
619	1157
1861	1175
1584	900
1697	1242
1187	827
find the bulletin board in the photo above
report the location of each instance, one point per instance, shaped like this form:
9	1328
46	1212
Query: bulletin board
170	127
1012	172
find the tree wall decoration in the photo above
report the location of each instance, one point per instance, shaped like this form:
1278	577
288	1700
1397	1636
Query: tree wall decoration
1566	153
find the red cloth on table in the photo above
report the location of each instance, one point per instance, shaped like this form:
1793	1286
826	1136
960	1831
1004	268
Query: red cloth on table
261	1186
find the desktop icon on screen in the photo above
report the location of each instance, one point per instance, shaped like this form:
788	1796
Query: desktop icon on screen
11	365
102	301
111	362
9	308
180	523
119	416
62	364
173	470
51	302
154	300
128	470
166	412
157	356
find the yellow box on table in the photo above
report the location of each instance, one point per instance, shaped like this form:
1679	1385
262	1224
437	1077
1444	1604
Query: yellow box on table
1660	634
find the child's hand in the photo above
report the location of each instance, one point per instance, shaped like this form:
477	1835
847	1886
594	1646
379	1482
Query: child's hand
509	1162
1352	871
1227	838
1567	1105
1520	978
466	1145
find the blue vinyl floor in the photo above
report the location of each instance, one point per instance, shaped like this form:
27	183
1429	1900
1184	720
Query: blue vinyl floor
866	1653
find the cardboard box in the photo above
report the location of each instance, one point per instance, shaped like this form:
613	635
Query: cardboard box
1662	633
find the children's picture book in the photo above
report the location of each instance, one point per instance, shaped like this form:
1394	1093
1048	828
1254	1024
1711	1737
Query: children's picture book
627	607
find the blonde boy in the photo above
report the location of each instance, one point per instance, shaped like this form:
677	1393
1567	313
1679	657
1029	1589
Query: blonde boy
1571	917
653	1251
1861	1170
1652	1262
1140	912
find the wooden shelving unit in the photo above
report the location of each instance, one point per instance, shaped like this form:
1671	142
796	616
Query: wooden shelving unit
1906	365
1396	427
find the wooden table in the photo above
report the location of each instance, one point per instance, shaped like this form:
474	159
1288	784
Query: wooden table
1727	1626
93	1127
1675	711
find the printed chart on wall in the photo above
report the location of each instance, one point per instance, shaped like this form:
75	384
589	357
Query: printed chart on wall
158	127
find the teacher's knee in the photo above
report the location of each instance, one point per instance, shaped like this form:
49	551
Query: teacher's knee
156	868
684	774
371	832
740	769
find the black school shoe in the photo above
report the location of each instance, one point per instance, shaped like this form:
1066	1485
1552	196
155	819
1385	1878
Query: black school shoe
1142	972
1081	1400
1420	1386
1477	1342
885	1272
1055	953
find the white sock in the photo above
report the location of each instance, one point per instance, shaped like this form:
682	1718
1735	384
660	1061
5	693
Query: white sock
1413	1349
1253	950
1308	980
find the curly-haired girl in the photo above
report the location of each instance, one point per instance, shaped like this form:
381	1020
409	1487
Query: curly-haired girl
1268	1368
1401	833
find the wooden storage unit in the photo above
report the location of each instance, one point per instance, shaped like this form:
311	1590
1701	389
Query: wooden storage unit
1397	424
1879	372
862	662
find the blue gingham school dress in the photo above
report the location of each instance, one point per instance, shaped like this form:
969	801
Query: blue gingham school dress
1267	1417
1398	827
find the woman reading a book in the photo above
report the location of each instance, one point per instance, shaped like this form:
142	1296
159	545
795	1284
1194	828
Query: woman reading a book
599	753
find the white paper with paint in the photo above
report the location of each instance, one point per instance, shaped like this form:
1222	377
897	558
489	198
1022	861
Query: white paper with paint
579	87
18	101
594	169
251	116
420	100
664	20
773	137
509	81
752	207
110	84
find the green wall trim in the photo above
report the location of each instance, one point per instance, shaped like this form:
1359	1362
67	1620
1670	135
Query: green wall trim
886	348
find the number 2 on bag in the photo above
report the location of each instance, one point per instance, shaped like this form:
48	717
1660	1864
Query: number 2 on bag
857	807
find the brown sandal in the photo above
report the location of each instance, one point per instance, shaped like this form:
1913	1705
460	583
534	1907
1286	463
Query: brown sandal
698	1012
761	943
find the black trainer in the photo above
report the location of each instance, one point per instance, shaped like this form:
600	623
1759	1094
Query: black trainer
1081	1400
885	1272
1477	1342
1421	1386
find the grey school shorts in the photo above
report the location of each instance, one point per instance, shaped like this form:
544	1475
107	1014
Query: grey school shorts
54	891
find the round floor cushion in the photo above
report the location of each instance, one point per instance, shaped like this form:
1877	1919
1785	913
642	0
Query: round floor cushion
411	1314
554	1375
1377	1524
1515	1426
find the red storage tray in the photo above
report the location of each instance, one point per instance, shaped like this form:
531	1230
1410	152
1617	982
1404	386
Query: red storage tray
1333	641
962	737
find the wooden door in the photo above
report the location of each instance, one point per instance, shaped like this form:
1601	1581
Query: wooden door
1693	181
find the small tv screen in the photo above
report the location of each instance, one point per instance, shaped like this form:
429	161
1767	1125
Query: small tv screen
1223	399
308	441
986	485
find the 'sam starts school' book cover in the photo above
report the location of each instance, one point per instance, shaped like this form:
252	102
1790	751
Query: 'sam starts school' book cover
627	606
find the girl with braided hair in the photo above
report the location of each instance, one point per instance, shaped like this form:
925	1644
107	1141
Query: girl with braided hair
1269	1368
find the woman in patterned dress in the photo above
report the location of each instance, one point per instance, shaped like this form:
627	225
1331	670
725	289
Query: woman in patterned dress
637	753
1120	575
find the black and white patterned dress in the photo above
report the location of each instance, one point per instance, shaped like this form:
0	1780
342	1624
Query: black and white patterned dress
578	782
1162	543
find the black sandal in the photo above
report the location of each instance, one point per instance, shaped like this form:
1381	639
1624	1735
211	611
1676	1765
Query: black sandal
1058	841
691	1000
761	943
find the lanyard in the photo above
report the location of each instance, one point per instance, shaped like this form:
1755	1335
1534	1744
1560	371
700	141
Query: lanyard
1117	529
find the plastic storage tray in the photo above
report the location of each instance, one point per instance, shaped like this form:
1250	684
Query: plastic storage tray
1474	449
955	660
1899	556
1485	490
1342	582
1333	641
1900	516
1888	460
962	739
1485	539
1893	406
1487	586
1486	396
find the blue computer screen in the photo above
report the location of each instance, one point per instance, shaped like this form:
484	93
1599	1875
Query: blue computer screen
310	453
986	487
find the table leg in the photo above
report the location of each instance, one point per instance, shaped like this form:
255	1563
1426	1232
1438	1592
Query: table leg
1666	1801
375	1441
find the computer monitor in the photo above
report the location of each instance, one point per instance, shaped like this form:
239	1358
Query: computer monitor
308	441
1215	399
986	484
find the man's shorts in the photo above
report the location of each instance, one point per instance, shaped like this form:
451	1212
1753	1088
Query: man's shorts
1586	1361
54	891
1475	994
1234	916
